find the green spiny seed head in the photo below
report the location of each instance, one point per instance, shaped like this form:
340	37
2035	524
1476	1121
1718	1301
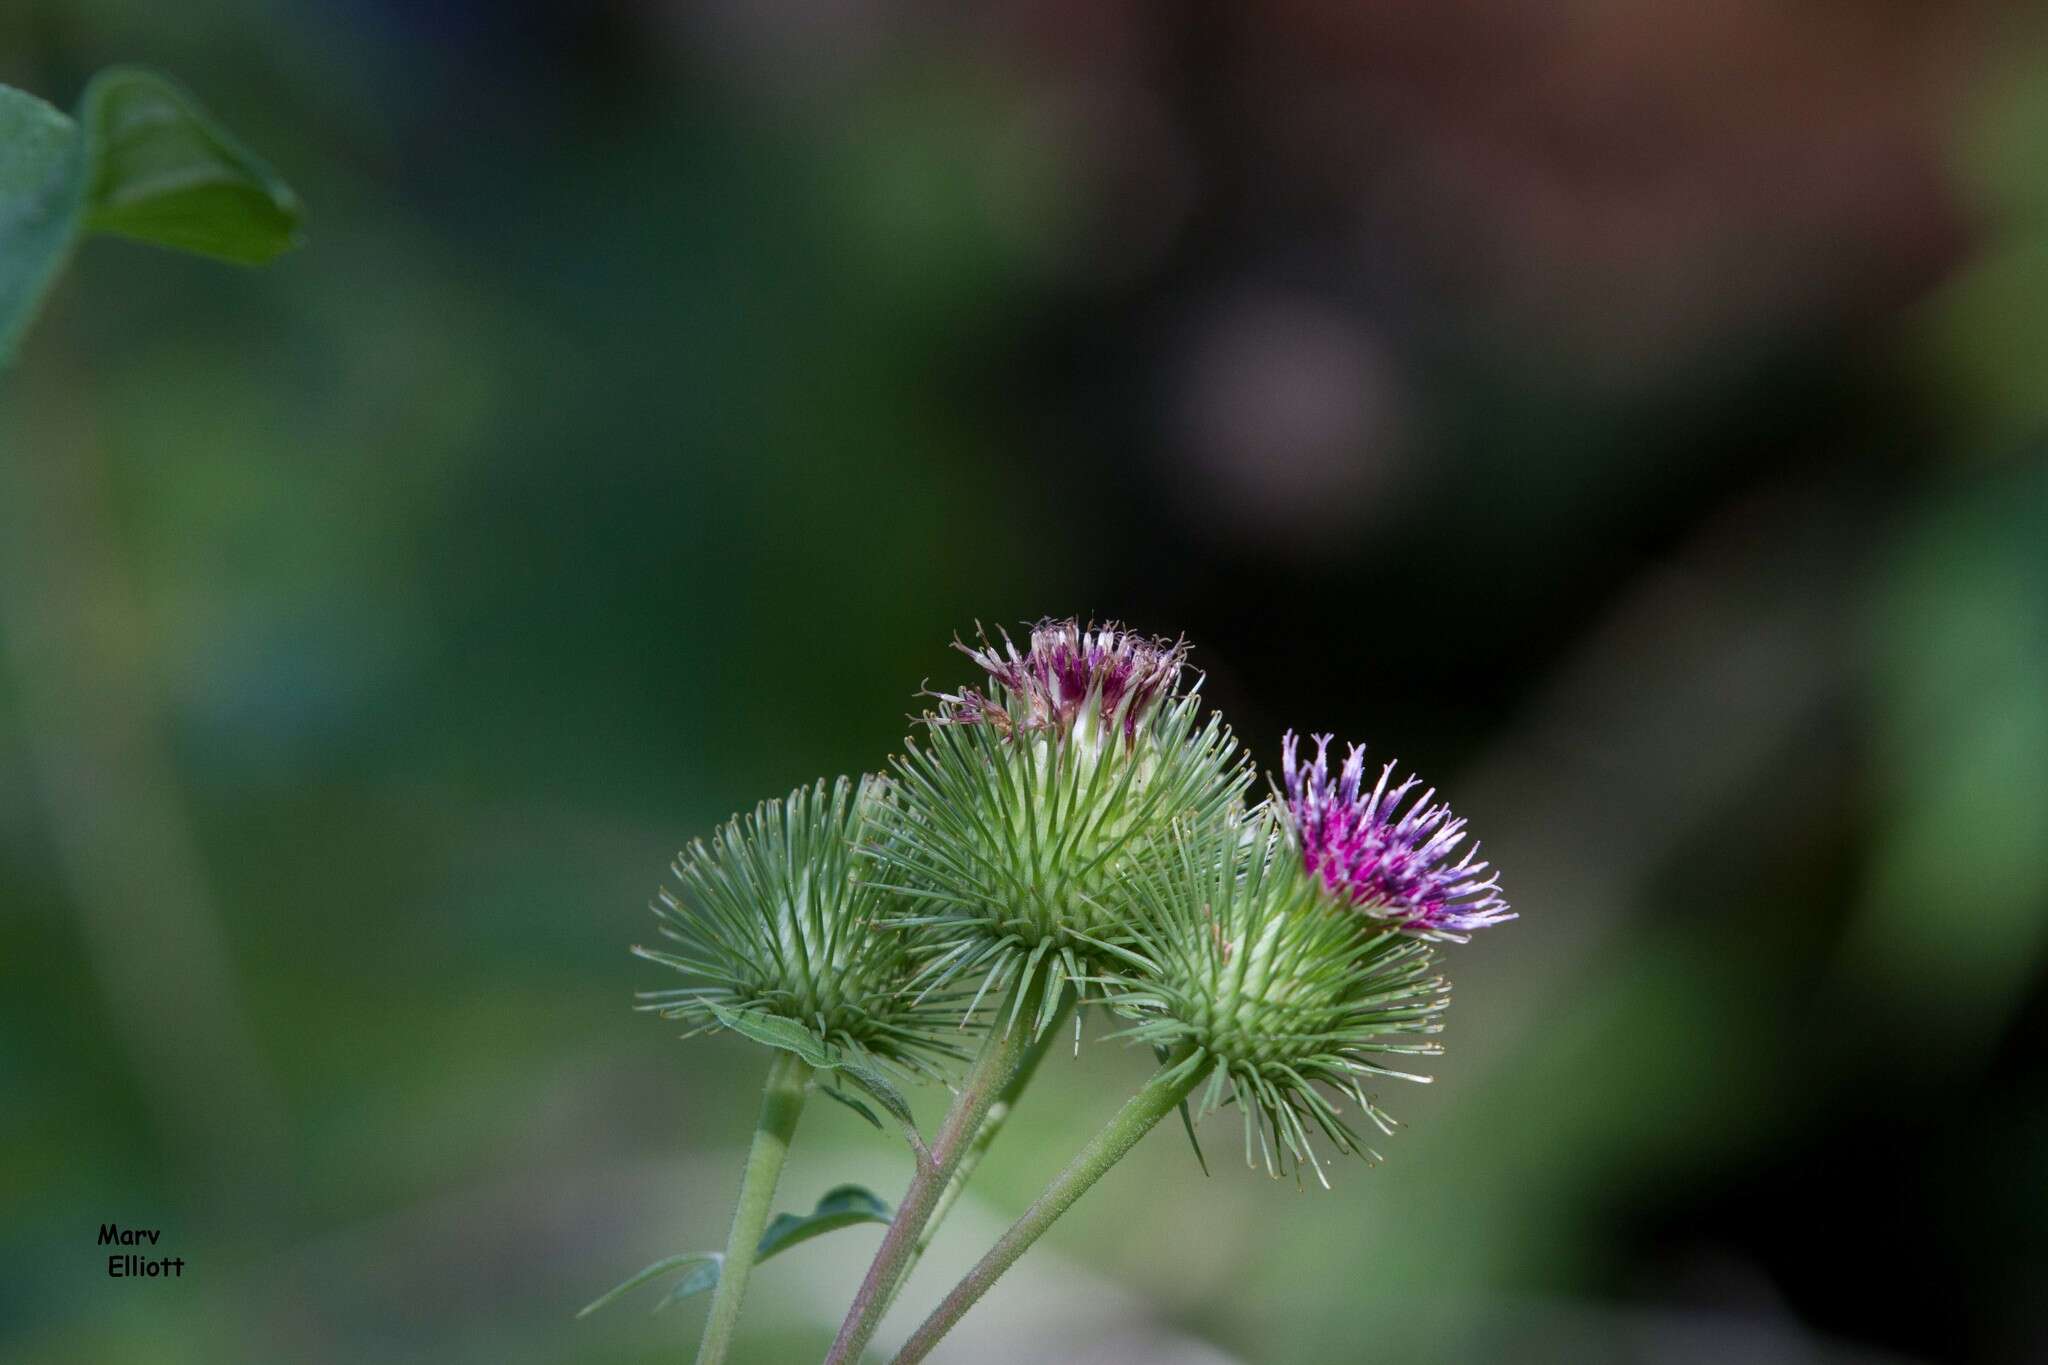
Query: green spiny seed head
1024	809
1237	954
779	914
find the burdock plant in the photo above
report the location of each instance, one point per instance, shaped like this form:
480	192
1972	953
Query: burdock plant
1072	830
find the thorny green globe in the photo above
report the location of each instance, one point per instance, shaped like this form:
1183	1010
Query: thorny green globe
779	914
1027	806
1073	829
1240	956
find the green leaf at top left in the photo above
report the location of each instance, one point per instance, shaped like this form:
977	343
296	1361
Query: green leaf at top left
142	160
40	190
163	172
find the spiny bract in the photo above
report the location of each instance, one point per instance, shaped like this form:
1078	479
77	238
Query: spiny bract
779	914
1027	804
1239	955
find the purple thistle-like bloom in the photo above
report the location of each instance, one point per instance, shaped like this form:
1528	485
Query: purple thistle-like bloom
1391	864
1067	670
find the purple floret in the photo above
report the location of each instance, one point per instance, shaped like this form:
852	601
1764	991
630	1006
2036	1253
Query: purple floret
1067	669
1392	865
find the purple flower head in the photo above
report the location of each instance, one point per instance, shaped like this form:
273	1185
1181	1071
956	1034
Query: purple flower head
1070	674
1392	865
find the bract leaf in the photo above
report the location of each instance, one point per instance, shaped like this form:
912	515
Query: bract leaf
702	1276
775	1031
772	1030
834	1092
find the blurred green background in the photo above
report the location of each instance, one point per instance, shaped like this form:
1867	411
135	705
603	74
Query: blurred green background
1631	417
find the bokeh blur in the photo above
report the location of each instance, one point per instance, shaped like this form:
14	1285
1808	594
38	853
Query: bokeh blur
1631	416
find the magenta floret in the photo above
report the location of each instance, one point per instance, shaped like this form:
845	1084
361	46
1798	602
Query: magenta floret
1393	864
1067	670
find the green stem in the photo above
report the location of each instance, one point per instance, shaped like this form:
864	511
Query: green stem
1002	1052
1159	1097
782	1100
985	1137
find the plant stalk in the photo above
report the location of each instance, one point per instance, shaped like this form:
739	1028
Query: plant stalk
1159	1097
782	1101
985	1137
1002	1051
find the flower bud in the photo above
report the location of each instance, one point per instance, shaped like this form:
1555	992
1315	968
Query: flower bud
1029	801
1240	956
778	914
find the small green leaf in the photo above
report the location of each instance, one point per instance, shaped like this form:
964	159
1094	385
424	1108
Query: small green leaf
844	1207
834	1092
164	172
775	1031
655	1271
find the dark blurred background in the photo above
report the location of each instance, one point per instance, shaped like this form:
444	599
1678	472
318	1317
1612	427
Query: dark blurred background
1628	415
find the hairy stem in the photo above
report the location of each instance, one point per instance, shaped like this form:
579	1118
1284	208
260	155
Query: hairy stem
1002	1051
1160	1095
985	1137
782	1100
